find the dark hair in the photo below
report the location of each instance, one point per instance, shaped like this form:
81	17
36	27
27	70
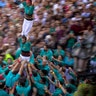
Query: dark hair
69	90
2	85
3	64
24	37
7	71
15	72
34	73
22	81
72	81
47	46
45	72
62	82
43	79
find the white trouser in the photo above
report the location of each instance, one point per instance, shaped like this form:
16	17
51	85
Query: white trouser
27	58
27	25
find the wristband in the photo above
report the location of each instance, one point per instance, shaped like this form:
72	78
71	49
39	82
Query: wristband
9	66
64	77
18	61
30	74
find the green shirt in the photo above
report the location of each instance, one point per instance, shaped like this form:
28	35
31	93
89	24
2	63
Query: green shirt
57	92
59	62
68	94
23	90
70	42
40	88
59	76
28	9
47	53
11	79
73	87
68	61
59	52
3	93
2	70
43	67
37	78
17	53
24	46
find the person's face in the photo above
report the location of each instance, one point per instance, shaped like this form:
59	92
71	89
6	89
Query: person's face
59	57
52	25
45	48
68	54
44	57
23	40
59	47
9	61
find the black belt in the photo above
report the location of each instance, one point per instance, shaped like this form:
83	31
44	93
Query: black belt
25	53
28	17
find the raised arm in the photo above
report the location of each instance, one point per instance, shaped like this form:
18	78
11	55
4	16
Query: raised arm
22	67
15	67
62	88
55	59
53	65
71	70
51	81
28	77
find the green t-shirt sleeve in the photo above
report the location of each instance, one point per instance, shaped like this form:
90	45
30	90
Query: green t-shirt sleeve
6	69
3	70
3	93
19	40
62	52
33	8
62	63
24	4
41	53
16	77
11	95
28	88
55	53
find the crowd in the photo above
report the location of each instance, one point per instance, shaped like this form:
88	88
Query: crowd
45	46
